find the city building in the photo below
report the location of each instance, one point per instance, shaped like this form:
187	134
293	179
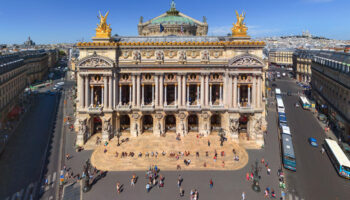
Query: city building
17	71
281	56
331	89
29	43
302	60
171	84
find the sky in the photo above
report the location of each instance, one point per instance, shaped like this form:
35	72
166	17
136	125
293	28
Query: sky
60	21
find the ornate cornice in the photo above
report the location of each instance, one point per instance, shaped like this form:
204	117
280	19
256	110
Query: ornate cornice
134	44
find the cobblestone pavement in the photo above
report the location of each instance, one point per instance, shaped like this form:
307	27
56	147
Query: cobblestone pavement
150	143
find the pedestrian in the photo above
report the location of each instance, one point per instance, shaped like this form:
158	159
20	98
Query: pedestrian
208	143
118	187
266	194
132	182
67	156
262	161
148	187
268	171
181	192
247	176
273	195
179	180
243	195
211	183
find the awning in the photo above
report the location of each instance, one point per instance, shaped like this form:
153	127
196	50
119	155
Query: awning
14	112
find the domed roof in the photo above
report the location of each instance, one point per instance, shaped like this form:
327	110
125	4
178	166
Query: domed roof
172	19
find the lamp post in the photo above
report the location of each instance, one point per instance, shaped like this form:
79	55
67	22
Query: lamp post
86	181
256	178
118	134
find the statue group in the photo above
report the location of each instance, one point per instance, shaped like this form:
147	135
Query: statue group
239	29
103	29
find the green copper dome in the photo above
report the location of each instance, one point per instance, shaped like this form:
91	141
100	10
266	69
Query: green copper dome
172	19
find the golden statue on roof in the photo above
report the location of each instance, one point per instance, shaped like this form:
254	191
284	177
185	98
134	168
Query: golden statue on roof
239	28
103	29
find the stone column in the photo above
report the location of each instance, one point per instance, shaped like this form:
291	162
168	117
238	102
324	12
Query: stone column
138	84
105	95
202	90
198	94
254	92
81	90
210	94
130	94
259	95
238	95
87	92
230	92
206	90
235	92
188	94
102	95
134	101
157	89
223	89
220	93
175	100
179	90
92	94
114	90
143	94
120	94
165	94
161	95
184	90
152	94
248	96
110	92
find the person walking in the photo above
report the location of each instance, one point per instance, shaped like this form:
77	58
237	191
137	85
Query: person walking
211	183
148	187
268	171
118	187
179	181
243	196
208	143
181	192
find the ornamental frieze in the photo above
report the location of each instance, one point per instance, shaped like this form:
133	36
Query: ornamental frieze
126	54
216	54
246	60
148	53
170	53
193	54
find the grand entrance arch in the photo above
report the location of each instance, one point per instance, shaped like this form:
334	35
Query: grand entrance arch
124	122
96	125
243	125
170	123
215	122
192	123
147	122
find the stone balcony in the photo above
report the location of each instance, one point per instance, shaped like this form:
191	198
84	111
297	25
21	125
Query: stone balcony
95	109
148	107
170	107
125	107
193	107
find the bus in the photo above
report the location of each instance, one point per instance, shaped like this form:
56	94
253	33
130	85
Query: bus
278	91
338	158
288	156
285	130
304	102
280	105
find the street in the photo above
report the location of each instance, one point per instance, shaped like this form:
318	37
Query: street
21	162
315	177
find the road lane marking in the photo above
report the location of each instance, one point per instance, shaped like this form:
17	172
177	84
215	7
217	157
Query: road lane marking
290	196
54	177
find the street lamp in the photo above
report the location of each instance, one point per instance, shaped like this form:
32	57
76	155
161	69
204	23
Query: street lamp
118	134
86	181
256	178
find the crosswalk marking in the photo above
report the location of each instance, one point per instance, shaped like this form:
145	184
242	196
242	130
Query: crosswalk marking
292	197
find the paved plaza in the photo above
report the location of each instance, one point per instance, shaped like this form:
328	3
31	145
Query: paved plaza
174	153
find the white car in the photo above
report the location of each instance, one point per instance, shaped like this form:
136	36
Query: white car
60	83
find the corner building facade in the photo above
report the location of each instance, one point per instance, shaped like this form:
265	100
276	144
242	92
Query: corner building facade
171	85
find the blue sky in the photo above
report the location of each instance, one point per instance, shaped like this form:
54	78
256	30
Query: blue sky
55	21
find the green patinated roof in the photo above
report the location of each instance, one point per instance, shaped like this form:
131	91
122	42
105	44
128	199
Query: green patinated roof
171	19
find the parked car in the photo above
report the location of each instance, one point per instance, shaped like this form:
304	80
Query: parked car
322	118
313	142
297	105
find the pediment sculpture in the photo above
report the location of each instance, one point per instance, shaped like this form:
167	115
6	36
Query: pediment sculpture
246	61
95	61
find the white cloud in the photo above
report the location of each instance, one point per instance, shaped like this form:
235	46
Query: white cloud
256	31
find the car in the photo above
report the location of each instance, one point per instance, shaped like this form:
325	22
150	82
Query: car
297	105
313	142
274	85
